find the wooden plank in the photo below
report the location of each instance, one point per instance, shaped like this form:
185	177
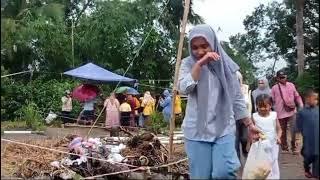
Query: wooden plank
174	142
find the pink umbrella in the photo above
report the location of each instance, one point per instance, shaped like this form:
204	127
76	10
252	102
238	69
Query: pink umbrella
85	92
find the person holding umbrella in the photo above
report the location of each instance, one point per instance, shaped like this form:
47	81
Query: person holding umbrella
87	94
88	111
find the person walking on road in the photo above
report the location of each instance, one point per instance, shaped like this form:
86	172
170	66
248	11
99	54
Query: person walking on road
215	102
308	125
285	98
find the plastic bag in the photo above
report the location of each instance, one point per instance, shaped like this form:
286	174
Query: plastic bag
52	116
258	164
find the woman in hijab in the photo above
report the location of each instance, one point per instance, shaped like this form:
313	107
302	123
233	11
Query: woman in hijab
263	88
112	111
215	102
166	105
148	104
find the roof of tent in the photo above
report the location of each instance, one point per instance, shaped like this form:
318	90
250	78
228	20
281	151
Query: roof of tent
93	72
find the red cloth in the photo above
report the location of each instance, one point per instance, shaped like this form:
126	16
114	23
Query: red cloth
132	115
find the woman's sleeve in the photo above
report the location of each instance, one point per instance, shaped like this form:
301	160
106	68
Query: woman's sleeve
143	103
117	103
297	96
249	102
165	102
64	100
105	103
186	84
162	103
239	104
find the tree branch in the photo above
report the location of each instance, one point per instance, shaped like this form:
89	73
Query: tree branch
82	11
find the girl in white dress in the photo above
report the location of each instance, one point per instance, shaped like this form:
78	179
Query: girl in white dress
267	121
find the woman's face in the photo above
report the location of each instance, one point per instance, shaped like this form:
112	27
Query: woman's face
200	47
261	84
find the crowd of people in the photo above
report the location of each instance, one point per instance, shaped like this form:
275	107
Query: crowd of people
124	109
275	110
223	115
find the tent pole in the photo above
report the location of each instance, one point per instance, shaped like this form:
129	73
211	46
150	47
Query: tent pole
176	75
72	42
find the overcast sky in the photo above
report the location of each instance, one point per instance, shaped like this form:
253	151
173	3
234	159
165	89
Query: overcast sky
229	16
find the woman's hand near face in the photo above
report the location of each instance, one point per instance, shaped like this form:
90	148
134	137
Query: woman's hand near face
210	56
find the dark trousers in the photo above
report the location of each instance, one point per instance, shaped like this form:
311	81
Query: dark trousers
312	160
87	117
291	121
136	120
66	118
125	118
241	138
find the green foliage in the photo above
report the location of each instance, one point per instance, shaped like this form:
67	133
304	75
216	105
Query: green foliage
246	67
157	122
270	34
307	81
37	35
46	94
32	117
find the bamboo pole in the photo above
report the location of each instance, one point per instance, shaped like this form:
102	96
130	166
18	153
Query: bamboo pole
72	41
176	75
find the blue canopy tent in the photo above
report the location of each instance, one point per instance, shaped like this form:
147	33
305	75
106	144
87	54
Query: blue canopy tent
97	74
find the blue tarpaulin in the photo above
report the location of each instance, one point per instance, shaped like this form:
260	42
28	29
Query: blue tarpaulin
93	72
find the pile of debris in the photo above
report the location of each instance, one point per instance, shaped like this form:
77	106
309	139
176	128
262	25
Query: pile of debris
145	150
90	157
25	162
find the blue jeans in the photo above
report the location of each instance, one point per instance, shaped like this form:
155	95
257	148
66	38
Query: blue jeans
141	120
212	160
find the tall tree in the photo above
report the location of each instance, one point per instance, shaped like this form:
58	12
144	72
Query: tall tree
299	37
271	32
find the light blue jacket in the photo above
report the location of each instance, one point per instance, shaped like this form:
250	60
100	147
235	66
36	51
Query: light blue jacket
166	105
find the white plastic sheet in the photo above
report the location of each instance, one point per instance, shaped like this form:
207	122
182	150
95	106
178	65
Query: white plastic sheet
258	164
52	116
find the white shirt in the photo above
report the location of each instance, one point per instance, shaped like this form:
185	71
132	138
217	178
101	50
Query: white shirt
267	125
66	104
89	105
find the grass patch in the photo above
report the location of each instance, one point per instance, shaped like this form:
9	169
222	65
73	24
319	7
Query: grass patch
13	125
32	117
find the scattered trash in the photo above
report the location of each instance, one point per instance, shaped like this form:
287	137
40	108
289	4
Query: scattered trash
94	156
55	164
51	116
